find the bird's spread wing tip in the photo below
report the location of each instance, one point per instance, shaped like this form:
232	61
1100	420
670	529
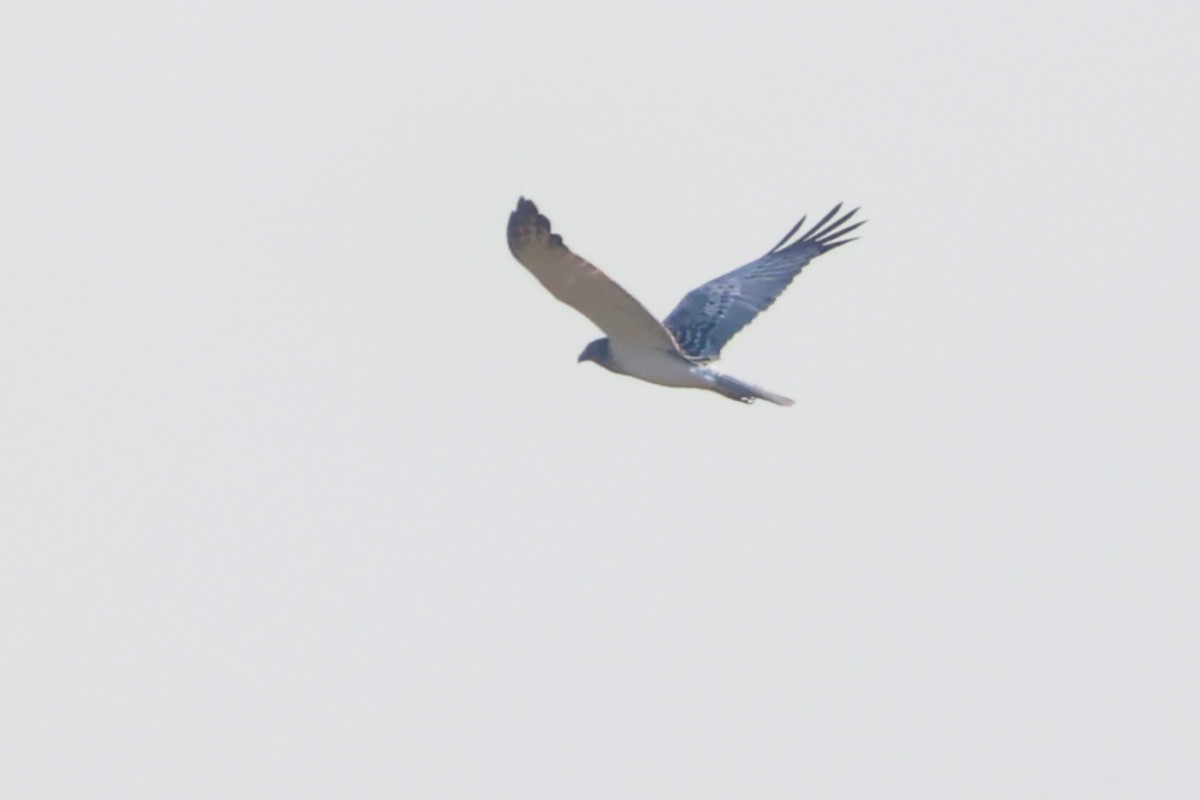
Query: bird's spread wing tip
526	225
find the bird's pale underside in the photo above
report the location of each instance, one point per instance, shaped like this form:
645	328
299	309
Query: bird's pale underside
677	351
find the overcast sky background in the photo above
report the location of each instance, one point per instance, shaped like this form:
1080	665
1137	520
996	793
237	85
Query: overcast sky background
304	495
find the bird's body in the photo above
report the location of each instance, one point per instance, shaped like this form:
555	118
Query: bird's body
676	351
657	366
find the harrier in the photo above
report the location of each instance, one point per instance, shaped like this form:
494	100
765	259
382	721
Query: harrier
677	351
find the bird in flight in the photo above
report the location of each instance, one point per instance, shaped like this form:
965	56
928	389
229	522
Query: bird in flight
677	351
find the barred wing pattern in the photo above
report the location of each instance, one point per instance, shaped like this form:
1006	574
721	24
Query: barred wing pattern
709	316
579	284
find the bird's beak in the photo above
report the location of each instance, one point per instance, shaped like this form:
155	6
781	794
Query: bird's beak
582	358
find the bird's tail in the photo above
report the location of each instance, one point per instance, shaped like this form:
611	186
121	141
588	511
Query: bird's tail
746	392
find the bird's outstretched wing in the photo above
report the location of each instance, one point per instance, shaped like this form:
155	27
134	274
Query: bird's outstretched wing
580	285
709	316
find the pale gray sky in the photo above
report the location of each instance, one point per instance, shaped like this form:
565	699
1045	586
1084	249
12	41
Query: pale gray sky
303	494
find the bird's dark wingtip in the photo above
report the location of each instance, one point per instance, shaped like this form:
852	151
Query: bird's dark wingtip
828	234
823	234
526	222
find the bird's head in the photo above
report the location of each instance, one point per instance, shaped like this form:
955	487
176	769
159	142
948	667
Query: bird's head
595	351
